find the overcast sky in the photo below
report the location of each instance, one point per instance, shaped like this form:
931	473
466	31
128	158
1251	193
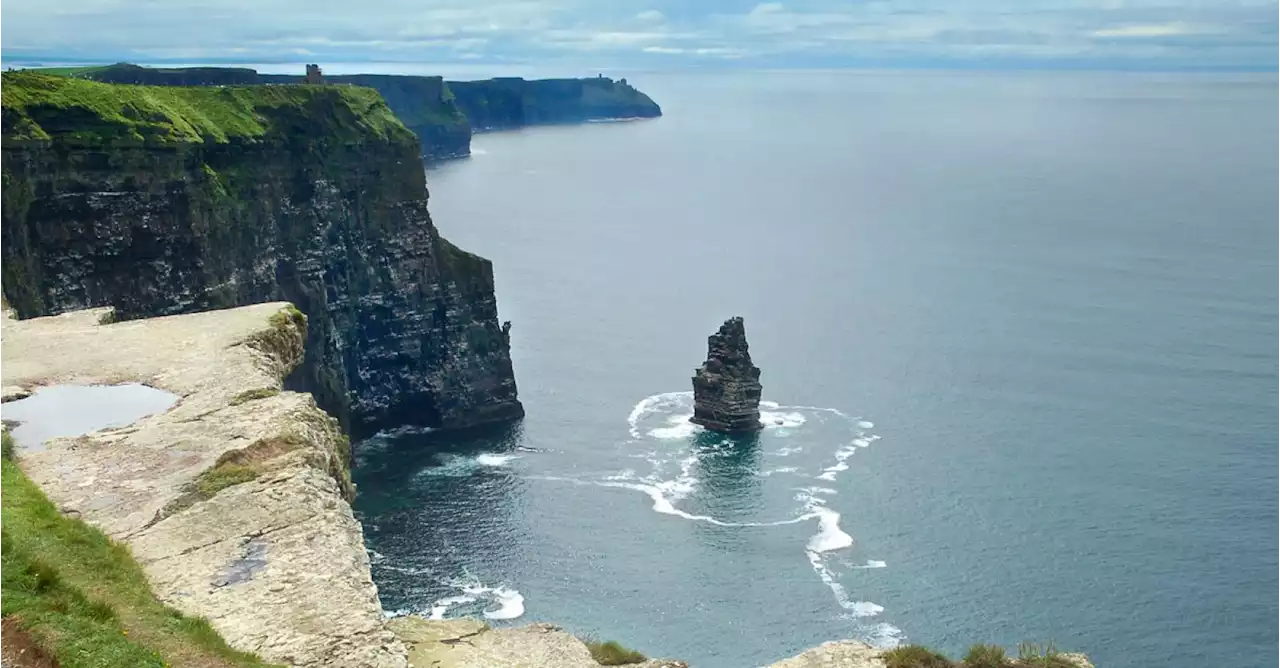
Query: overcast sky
1174	34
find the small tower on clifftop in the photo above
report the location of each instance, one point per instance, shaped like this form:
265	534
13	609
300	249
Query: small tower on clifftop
726	389
313	74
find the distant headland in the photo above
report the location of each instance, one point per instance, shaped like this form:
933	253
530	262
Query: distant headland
443	114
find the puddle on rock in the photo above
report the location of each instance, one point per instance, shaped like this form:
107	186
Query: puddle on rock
72	410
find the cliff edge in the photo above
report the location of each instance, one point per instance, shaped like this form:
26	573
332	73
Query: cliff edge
166	200
234	501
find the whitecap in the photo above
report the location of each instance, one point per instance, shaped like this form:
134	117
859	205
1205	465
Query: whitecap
829	537
782	419
510	604
786	452
442	606
884	636
770	472
866	424
873	563
678	427
865	609
493	459
655	403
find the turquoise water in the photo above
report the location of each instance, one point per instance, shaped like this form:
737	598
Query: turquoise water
1020	335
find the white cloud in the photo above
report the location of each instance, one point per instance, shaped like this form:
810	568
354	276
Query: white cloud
771	33
1149	30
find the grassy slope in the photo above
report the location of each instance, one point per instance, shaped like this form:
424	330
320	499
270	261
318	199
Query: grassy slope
84	599
80	112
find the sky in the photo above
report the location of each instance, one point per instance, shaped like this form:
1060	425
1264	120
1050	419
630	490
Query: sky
654	34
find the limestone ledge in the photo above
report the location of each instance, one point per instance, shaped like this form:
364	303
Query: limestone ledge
277	564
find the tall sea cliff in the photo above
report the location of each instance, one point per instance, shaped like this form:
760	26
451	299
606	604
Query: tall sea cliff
442	114
170	200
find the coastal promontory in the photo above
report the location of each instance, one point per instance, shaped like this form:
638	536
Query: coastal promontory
166	200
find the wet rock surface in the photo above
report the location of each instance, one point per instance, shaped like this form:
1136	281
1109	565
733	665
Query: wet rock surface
726	389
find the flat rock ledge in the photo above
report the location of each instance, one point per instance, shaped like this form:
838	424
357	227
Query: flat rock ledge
471	643
277	563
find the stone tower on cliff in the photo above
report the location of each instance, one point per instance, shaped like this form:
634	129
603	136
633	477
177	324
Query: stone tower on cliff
313	74
726	389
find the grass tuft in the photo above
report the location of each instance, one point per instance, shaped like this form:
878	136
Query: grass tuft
612	653
254	395
1035	655
985	656
915	656
8	449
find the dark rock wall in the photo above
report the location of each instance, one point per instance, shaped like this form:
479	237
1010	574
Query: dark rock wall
403	325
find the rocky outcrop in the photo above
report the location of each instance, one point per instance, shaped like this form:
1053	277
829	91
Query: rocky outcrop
441	114
857	654
470	643
160	201
726	389
272	556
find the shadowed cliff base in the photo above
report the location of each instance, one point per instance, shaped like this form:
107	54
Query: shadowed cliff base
165	200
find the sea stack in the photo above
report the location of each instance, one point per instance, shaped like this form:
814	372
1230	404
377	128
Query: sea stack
726	389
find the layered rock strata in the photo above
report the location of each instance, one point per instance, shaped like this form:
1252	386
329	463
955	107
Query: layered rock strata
275	560
726	389
160	201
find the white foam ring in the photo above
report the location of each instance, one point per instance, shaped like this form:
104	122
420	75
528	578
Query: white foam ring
665	418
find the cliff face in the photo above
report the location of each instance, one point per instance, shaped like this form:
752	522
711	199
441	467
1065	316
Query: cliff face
171	200
515	102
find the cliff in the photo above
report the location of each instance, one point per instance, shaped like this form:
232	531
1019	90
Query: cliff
515	102
441	114
165	200
234	501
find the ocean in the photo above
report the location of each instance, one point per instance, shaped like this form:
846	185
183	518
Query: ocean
1018	334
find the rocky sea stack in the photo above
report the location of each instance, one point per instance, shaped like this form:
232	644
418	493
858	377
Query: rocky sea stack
726	389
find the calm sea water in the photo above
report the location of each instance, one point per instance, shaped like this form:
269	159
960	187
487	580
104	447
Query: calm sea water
1020	335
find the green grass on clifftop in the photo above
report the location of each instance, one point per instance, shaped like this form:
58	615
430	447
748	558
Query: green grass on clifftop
83	600
979	656
612	653
75	111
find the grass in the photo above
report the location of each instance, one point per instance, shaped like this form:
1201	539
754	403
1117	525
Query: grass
979	656
915	656
7	446
254	395
75	111
232	468
65	71
82	597
612	653
985	656
1035	655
